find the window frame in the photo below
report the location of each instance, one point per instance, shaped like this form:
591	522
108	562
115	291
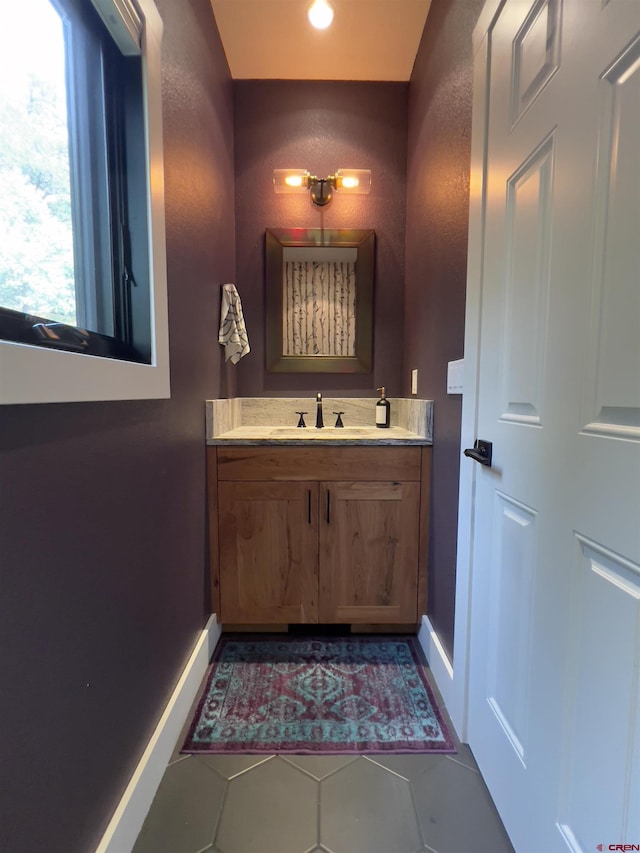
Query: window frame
32	374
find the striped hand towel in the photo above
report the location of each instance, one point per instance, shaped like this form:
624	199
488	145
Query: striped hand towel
233	333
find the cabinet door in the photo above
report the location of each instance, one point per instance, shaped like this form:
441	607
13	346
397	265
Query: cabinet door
268	543
369	535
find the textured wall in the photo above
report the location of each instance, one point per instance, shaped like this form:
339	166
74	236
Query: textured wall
440	94
102	508
321	126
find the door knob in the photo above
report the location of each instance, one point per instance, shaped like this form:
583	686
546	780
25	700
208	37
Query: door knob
481	452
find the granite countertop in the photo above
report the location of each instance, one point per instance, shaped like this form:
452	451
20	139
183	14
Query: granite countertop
276	436
271	422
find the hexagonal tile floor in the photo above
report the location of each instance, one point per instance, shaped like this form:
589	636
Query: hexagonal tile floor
322	804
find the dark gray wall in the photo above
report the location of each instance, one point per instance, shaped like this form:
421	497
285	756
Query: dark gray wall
440	95
102	507
321	126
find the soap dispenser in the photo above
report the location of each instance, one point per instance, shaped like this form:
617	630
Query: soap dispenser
383	411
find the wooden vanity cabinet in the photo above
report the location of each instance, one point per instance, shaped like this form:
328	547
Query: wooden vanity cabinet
369	534
294	541
268	545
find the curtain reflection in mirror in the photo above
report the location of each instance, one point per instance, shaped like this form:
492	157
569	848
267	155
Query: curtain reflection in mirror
319	307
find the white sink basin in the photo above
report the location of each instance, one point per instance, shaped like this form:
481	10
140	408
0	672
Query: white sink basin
325	433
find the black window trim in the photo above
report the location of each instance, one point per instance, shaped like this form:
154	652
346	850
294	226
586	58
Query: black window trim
105	98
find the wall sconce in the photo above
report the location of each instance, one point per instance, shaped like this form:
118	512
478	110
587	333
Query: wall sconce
321	189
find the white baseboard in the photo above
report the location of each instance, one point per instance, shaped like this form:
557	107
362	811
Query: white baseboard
439	663
126	823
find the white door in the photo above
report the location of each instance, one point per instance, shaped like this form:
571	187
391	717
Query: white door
554	695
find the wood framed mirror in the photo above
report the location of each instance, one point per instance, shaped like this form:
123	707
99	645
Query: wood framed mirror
319	300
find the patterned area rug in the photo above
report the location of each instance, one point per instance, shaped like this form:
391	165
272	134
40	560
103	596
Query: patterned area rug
292	694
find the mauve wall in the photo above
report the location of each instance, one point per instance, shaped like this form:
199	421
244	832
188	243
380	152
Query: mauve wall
440	95
321	126
102	508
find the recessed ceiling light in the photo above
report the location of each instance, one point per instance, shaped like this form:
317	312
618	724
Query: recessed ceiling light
320	14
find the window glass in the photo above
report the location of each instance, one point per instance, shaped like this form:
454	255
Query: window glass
36	237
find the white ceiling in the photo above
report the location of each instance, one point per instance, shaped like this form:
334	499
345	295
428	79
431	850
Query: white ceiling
273	39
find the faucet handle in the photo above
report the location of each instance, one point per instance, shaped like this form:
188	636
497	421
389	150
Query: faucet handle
301	422
339	423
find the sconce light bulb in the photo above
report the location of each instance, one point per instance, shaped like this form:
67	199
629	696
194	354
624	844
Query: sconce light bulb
320	14
294	180
350	183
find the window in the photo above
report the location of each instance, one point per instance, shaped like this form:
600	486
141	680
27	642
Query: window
82	250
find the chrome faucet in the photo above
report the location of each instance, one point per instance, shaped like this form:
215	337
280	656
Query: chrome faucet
319	421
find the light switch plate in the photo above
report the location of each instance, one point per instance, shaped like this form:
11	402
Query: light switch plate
455	376
414	381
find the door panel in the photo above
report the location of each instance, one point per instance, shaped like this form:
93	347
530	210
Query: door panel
606	595
536	54
369	534
268	552
528	223
555	626
509	642
612	381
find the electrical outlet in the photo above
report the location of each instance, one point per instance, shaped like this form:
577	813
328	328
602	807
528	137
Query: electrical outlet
414	381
